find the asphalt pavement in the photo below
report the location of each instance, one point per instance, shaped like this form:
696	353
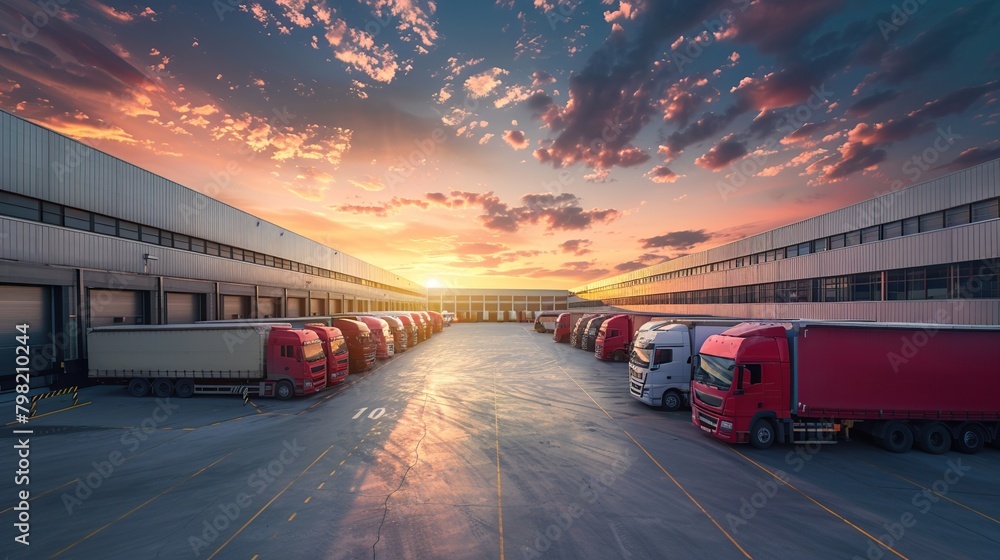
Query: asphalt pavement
487	441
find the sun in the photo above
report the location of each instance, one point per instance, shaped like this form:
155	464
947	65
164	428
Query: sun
432	283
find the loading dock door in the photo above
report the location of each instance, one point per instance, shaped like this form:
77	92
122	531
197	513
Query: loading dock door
268	307
24	305
296	307
235	307
115	307
184	308
318	307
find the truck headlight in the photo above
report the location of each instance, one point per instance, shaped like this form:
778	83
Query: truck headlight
309	384
726	426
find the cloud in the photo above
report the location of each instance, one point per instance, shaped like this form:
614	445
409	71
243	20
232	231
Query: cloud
661	174
974	156
578	247
482	84
677	240
413	17
722	154
358	50
560	212
381	210
369	183
864	106
756	23
515	139
629	266
851	158
540	78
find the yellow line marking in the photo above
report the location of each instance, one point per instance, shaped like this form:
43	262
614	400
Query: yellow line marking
823	507
33	498
333	472
320	487
307	499
662	469
293	516
342	463
143	504
255	556
942	496
496	419
48	413
268	504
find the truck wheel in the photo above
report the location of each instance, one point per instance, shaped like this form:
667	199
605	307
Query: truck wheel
138	387
163	387
184	388
619	356
970	440
934	439
284	390
762	434
897	438
671	401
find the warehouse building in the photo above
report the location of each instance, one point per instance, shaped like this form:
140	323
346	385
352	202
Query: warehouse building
926	253
472	304
88	240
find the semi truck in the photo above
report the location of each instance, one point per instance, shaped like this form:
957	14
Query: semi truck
812	381
334	343
564	326
545	322
588	340
262	359
660	364
615	337
385	343
360	344
423	329
412	328
438	321
397	329
576	336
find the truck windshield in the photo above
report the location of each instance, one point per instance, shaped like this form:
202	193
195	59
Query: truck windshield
313	352
715	371
640	357
337	346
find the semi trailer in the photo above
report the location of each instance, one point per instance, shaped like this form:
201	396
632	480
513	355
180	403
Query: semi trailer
564	326
576	336
812	381
660	364
545	322
262	359
588	340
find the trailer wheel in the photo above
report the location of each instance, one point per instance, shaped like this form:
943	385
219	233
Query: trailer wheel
970	439
934	439
138	387
762	434
897	437
163	387
671	401
184	388
619	356
284	390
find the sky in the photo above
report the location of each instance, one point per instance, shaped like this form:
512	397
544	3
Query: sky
517	143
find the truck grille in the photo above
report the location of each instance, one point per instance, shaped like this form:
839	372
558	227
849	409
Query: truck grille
707	421
635	386
598	351
317	368
708	399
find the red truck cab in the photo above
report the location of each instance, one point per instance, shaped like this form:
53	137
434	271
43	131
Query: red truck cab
360	344
296	355
428	323
335	348
412	329
563	328
384	343
438	320
614	338
399	332
751	357
423	332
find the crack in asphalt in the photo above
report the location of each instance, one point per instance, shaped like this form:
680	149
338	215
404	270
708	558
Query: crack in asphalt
416	459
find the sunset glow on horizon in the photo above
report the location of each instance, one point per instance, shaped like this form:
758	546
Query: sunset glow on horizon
517	144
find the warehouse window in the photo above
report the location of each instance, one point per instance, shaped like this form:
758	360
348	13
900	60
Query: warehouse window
166	238
837	241
892	229
869	234
853	238
182	242
986	210
105	225
911	226
212	248
52	214
956	216
128	230
150	235
932	221
18	206
77	219
197	245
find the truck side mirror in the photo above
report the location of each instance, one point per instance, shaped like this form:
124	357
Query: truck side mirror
695	361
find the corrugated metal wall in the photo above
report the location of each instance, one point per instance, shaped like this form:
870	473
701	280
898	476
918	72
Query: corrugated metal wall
40	163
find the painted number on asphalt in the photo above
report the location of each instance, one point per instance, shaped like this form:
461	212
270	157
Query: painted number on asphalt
375	414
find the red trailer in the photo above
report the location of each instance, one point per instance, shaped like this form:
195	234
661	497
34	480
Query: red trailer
810	381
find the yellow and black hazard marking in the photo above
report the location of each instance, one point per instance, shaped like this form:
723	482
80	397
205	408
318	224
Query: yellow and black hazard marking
67	391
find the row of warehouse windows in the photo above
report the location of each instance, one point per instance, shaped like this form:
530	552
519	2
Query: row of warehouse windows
980	211
27	208
970	279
